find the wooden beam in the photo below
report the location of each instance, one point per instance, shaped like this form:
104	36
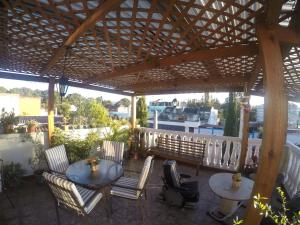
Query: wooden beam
133	112
195	89
200	55
244	128
273	12
35	78
50	109
181	82
275	121
188	86
287	35
100	12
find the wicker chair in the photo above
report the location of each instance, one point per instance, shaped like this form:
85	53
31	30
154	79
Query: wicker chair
113	150
57	160
134	189
75	198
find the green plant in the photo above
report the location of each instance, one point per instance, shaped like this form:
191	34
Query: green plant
77	149
119	133
8	119
282	217
13	174
142	111
231	122
31	124
38	160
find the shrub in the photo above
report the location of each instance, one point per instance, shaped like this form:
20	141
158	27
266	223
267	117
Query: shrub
13	174
76	149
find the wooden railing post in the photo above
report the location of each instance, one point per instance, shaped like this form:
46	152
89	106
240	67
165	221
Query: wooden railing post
275	121
50	109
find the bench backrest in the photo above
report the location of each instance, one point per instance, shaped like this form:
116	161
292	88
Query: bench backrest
177	146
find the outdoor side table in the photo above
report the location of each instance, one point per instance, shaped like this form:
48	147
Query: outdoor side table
231	199
106	174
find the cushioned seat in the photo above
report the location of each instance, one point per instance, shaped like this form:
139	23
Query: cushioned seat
72	196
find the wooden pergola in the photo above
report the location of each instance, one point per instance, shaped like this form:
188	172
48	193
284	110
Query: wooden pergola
140	47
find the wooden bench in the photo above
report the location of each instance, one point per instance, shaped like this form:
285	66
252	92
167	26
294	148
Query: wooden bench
184	151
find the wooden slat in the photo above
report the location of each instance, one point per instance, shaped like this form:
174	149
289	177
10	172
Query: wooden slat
287	35
89	22
273	12
274	132
200	55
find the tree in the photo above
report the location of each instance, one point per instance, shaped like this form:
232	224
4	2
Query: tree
142	111
96	114
231	122
64	109
123	102
107	104
3	90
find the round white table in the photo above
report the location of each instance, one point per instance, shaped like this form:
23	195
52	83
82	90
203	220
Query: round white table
231	199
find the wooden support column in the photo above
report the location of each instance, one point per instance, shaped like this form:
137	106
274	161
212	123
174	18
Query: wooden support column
133	111
275	121
244	129
50	109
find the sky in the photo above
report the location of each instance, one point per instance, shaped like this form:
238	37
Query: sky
8	84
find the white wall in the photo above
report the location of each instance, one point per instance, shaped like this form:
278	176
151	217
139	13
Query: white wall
10	102
18	148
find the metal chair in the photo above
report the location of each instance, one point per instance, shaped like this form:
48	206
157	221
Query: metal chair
134	189
70	196
57	160
113	150
2	187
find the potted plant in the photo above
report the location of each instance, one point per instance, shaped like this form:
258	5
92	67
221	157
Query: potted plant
31	126
13	175
8	120
93	162
37	161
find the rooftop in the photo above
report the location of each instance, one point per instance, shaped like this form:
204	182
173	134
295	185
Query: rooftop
35	205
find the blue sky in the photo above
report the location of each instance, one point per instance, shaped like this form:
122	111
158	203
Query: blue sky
255	100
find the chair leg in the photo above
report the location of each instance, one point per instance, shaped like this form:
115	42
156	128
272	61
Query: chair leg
140	205
145	193
57	214
11	203
197	170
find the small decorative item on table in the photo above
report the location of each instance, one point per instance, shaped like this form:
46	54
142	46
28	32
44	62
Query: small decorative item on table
236	180
93	162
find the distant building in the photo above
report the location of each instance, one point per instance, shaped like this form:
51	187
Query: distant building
119	111
293	114
21	105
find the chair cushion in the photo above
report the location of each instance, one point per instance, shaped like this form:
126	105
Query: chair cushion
65	195
124	192
57	159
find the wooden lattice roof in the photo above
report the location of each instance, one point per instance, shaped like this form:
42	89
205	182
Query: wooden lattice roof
147	47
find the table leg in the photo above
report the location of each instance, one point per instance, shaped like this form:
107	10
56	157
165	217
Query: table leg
225	210
108	205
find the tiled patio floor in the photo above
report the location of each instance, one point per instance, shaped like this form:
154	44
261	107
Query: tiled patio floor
35	206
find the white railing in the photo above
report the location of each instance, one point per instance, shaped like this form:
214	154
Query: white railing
220	152
291	169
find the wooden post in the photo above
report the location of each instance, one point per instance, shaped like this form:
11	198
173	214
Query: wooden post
133	111
244	129
50	109
275	121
